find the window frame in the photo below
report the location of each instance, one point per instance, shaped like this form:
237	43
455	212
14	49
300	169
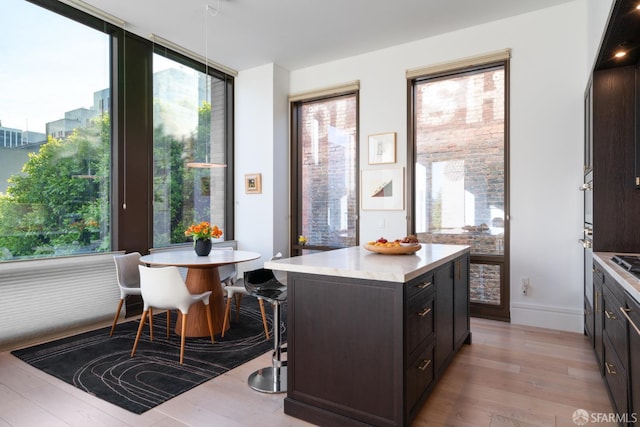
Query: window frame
132	146
503	310
296	168
228	81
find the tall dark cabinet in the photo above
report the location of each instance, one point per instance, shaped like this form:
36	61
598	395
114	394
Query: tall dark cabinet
616	201
612	203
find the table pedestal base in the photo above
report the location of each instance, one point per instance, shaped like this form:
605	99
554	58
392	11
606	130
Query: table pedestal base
201	280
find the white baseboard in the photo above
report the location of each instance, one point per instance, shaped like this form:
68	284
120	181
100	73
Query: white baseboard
559	318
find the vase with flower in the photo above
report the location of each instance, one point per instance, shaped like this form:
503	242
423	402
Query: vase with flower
202	234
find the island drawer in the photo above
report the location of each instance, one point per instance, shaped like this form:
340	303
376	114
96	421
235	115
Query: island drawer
419	375
419	319
423	283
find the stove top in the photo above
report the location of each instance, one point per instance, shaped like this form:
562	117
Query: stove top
631	263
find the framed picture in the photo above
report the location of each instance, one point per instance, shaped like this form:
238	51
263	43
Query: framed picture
382	189
382	148
253	183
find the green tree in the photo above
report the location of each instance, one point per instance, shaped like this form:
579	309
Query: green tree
59	204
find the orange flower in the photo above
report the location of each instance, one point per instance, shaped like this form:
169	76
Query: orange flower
203	230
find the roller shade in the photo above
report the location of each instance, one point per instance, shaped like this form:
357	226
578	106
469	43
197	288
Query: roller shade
326	91
45	296
468	62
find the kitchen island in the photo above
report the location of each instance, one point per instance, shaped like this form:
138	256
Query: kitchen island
369	335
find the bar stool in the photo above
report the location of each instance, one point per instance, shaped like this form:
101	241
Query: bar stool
263	283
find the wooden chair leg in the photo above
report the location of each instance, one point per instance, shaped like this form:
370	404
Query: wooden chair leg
135	343
168	322
238	301
227	316
210	322
264	318
115	319
151	323
184	331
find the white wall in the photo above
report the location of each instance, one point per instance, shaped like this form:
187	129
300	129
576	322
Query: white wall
261	132
549	68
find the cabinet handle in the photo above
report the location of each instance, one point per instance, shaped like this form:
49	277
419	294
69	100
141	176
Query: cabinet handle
586	243
424	285
596	309
424	312
585	187
624	312
424	364
610	315
611	369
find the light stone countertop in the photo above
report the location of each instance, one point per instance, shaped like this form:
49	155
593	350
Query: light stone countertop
359	263
628	281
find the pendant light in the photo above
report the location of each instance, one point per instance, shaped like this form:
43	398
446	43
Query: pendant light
213	12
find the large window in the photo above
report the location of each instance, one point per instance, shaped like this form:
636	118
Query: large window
54	135
460	174
189	131
325	176
83	168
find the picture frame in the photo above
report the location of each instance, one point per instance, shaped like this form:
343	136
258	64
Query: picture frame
382	148
253	183
382	189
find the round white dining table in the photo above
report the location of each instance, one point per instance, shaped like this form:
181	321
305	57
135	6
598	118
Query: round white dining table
202	276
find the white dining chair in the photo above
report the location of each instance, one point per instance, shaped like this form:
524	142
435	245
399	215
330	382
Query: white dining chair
164	288
235	291
128	278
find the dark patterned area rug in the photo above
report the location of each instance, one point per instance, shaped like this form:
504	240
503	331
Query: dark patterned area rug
102	366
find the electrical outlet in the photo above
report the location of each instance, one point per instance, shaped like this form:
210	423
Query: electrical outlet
524	285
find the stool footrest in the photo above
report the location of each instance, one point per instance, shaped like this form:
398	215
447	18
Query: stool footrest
269	380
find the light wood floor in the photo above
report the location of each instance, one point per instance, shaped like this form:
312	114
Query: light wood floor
510	376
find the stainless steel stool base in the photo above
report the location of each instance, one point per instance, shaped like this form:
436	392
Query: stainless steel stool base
269	380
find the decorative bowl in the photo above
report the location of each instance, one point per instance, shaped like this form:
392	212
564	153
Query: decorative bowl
394	250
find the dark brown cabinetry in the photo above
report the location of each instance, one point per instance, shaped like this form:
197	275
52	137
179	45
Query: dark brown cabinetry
611	120
616	201
598	316
444	308
632	311
617	344
611	166
461	326
366	352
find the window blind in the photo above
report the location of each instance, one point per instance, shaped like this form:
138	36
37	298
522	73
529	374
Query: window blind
326	91
45	296
458	64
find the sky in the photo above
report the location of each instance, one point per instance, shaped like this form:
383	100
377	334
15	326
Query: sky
48	65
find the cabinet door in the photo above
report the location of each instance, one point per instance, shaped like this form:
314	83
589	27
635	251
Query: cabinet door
616	377
633	313
460	300
588	320
598	321
444	315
